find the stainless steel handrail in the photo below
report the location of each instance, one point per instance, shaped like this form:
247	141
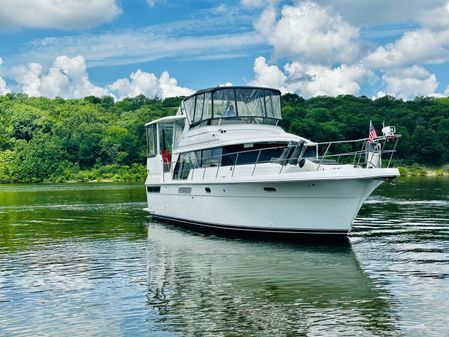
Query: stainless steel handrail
320	159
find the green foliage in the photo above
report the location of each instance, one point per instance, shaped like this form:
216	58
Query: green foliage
95	138
423	123
85	139
37	160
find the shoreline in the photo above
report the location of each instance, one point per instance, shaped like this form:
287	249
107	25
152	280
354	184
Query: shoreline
138	175
420	171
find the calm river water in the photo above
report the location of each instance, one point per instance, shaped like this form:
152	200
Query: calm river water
86	260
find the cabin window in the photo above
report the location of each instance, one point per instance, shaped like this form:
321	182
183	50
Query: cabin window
179	126
227	156
239	155
186	162
151	141
211	157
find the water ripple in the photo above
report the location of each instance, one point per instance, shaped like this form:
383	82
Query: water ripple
87	260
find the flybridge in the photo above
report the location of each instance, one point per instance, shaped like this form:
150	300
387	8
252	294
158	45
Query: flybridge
233	105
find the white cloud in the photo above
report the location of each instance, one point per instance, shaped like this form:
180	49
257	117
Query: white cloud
309	33
310	80
66	78
169	87
409	82
67	14
420	46
3	88
140	45
268	75
28	78
141	82
435	18
325	81
429	13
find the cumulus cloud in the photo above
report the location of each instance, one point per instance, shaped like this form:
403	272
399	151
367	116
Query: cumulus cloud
310	80
409	82
419	46
326	81
169	87
268	75
309	33
67	77
3	88
141	82
67	14
325	54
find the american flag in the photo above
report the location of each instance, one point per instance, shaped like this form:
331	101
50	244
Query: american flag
372	132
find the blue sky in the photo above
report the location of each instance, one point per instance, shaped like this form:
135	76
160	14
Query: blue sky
74	48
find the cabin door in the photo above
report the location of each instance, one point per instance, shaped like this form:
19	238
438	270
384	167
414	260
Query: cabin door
162	139
166	135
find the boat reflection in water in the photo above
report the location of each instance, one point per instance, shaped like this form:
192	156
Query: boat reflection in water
199	285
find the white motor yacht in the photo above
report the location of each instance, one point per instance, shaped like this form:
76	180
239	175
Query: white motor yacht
222	164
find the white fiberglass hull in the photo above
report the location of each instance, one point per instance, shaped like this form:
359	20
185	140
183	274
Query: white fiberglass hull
322	206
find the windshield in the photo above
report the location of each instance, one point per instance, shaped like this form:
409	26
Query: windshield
234	104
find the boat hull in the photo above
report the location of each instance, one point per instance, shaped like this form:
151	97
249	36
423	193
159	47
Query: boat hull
252	233
274	209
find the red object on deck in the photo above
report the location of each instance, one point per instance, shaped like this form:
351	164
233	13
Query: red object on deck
166	156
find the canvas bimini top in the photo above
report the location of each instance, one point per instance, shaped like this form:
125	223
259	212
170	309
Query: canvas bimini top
225	105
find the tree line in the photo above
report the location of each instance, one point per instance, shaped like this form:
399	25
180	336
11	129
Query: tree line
44	139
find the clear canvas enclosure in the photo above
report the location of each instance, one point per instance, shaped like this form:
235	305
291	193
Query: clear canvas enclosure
224	105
